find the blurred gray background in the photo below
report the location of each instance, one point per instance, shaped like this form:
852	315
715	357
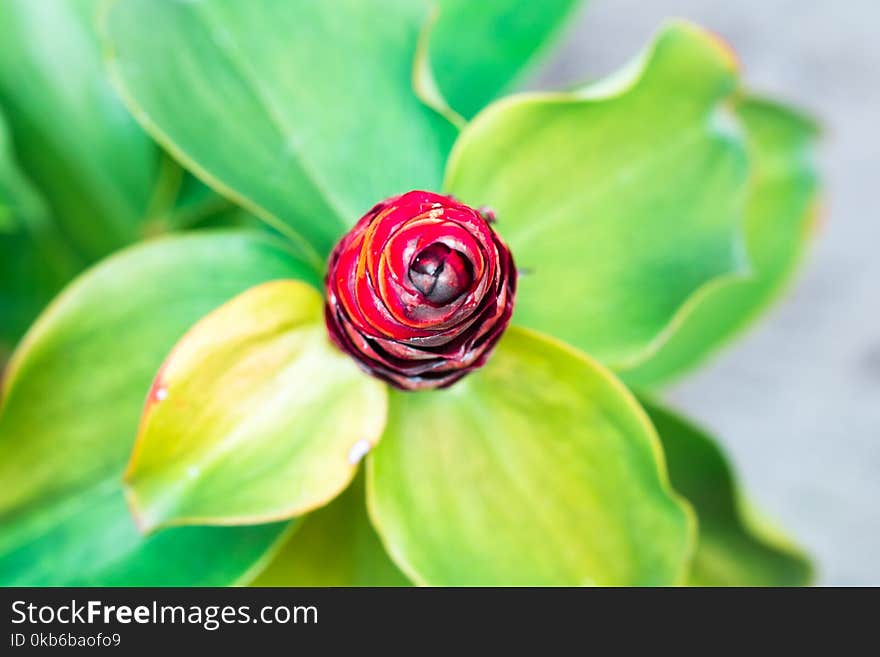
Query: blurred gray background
796	401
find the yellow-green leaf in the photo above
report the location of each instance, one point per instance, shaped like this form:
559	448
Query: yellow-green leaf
539	469
253	417
732	549
779	215
618	201
334	546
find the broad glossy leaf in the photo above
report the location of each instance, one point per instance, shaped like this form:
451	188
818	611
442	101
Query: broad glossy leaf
255	416
74	137
732	550
538	469
72	398
314	101
618	202
334	546
779	214
479	49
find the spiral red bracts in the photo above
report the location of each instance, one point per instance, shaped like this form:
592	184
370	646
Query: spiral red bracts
420	290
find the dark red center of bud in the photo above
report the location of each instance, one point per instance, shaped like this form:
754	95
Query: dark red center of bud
440	273
420	290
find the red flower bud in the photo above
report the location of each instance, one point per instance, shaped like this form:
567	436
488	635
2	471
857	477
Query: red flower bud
420	290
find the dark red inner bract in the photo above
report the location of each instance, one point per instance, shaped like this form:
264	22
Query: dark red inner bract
441	274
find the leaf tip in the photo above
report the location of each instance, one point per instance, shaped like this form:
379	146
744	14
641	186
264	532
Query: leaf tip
726	50
145	524
727	54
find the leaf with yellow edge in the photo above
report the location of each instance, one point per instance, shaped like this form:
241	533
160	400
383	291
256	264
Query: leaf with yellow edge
539	469
253	417
618	201
780	212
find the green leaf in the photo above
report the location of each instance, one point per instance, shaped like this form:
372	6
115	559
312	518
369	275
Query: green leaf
779	215
539	469
19	201
334	546
74	138
479	49
34	260
425	82
196	205
314	101
33	267
618	202
732	550
72	398
253	417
